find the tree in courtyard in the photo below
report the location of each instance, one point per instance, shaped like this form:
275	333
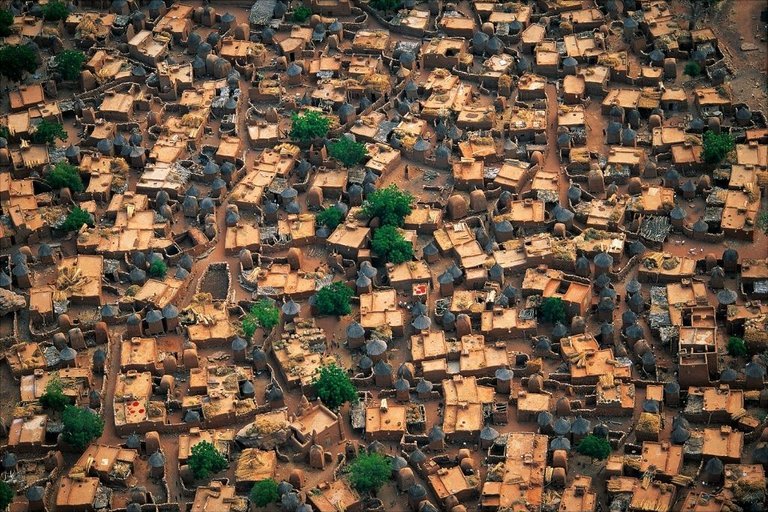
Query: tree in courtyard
390	205
368	472
264	492
158	269
47	132
15	60
737	347
69	63
54	397
348	152
330	217
552	310
333	386
65	175
717	146
334	299
81	426
309	126
6	21
762	221
206	460
595	447
692	68
55	11
263	314
76	218
385	5
301	14
389	243
6	495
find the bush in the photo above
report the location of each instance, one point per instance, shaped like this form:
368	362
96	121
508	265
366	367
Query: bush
334	299
385	5
158	269
264	492
692	68
65	175
47	132
737	347
762	221
15	60
6	21
76	218
333	387
69	64
595	447
330	217
263	314
206	460
716	146
81	426
6	495
55	11
348	152
301	14
368	472
389	243
552	310
389	204
54	397
312	125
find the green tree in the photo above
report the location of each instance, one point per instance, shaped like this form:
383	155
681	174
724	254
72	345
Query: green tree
552	310
389	204
264	492
263	314
76	218
69	63
348	152
6	495
330	217
301	14
717	146
737	347
55	11
206	460
15	60
54	397
81	426
309	126
389	243
368	472
692	68
385	5
47	132
334	299
6	21
333	386
158	269
762	221
65	175
595	447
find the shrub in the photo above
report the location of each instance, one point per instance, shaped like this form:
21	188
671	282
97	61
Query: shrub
76	218
69	64
55	11
737	347
389	204
6	21
311	125
385	5
334	299
389	243
65	175
54	397
301	14
47	132
762	221
348	152
158	269
6	495
264	492
595	447
15	60
552	310
206	460
333	386
330	217
692	68
81	426
368	472
716	146
263	314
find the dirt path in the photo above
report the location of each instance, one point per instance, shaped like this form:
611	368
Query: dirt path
552	157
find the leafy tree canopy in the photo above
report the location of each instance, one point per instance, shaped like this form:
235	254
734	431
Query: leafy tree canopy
389	243
348	152
81	426
264	492
389	204
717	146
69	63
206	460
6	495
595	447
76	218
368	472
311	125
334	299
6	21
301	14
552	310
65	175
333	386
15	60
692	68
158	269
263	314
330	217
55	11
737	347
385	5
54	397
47	132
